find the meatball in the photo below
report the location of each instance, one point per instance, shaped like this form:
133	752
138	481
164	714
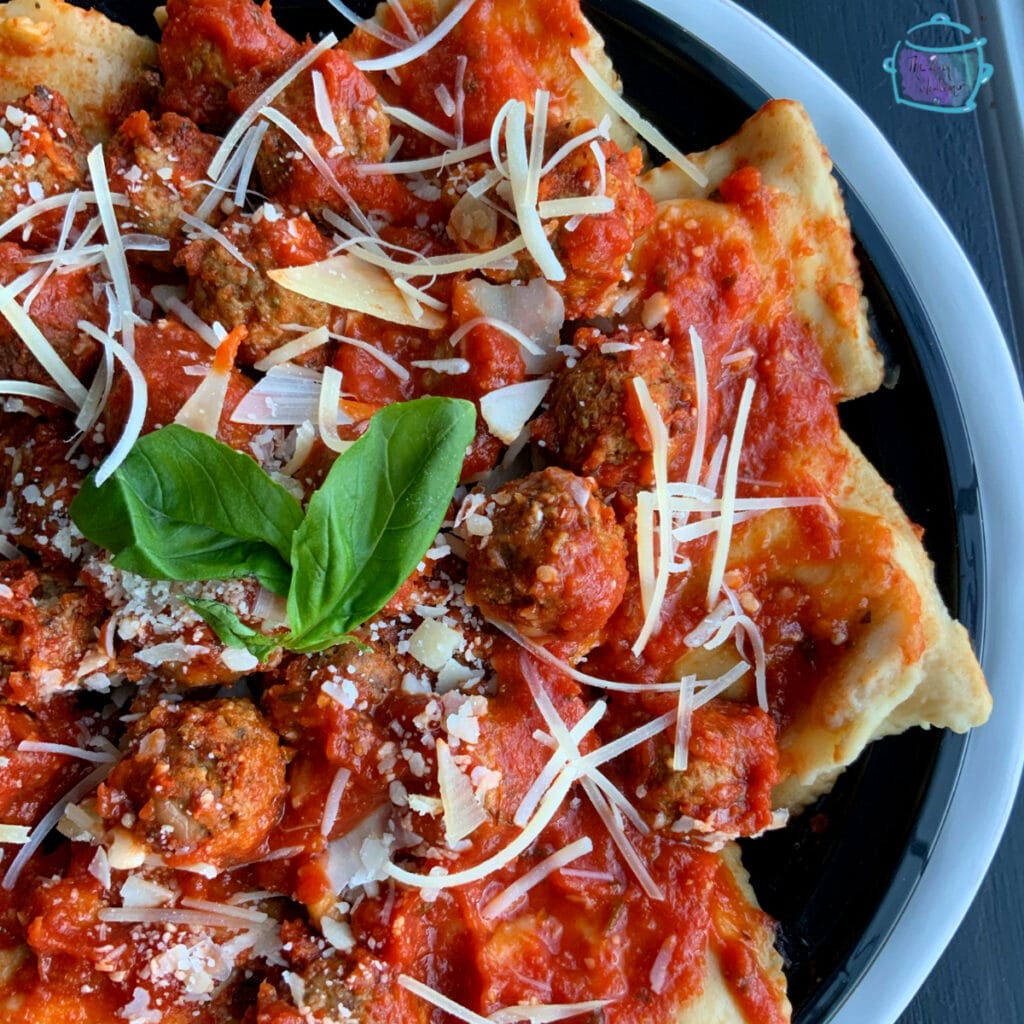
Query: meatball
593	248
727	785
47	633
333	731
594	423
223	290
62	300
594	251
45	156
554	564
207	47
361	133
334	987
160	167
40	484
200	783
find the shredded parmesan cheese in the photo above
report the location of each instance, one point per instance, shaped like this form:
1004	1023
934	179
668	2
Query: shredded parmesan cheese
508	897
639	124
421	46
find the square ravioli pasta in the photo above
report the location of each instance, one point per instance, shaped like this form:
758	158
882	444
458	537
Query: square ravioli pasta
429	541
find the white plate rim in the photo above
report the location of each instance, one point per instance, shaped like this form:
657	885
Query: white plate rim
993	414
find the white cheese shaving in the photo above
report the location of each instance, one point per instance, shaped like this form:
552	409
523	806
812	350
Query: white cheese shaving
117	261
308	342
506	410
449	367
137	891
42	828
541	1013
524	176
215	235
353	283
433	644
324	113
684	721
639	124
499	325
41	747
287	396
44	352
421	165
253	111
421	46
729	481
441	1001
660	976
371	350
27	389
659	459
422	125
573	673
328	413
612	820
203	409
137	410
575	206
332	803
509	896
369	25
463	813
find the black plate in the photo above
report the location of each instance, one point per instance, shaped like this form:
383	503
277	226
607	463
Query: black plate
838	878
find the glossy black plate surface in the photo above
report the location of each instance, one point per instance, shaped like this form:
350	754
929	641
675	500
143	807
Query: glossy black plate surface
838	877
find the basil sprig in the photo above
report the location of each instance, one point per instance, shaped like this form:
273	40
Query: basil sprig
183	506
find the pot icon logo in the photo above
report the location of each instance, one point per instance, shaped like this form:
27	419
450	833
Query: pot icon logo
938	66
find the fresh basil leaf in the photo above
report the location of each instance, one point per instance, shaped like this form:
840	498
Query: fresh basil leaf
375	516
235	633
183	506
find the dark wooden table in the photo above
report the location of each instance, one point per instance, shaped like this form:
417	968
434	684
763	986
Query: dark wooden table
965	163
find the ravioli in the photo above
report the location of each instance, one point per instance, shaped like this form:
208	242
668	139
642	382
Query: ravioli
100	66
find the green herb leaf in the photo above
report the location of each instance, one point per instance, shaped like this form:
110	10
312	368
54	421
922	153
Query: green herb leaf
183	506
374	517
235	633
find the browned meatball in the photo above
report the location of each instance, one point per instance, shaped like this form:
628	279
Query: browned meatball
47	631
594	252
208	47
45	155
223	290
161	168
594	423
361	127
727	786
592	249
554	563
334	728
40	484
200	783
63	300
335	986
